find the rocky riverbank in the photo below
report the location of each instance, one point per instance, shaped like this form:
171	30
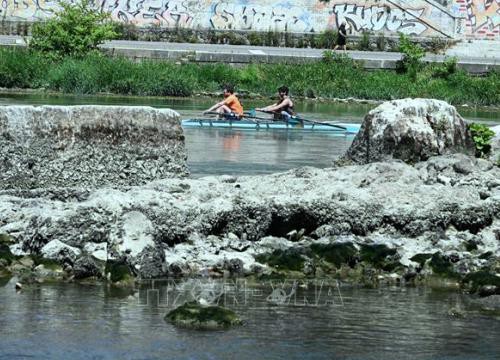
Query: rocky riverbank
88	146
403	220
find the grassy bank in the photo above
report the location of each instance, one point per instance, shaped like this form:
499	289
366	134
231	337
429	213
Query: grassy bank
332	78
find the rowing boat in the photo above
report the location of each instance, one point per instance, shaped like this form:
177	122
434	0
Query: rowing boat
251	124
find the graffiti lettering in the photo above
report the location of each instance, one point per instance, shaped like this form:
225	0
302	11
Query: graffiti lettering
483	15
376	18
281	17
167	13
417	17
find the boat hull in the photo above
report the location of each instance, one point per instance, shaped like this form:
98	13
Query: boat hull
343	128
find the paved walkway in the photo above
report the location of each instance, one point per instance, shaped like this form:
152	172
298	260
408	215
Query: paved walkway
486	49
476	57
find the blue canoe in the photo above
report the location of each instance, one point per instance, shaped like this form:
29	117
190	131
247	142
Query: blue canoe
249	124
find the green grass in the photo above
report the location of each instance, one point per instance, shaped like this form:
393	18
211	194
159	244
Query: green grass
332	78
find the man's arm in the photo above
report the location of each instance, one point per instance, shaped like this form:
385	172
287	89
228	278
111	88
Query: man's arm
277	107
215	107
266	108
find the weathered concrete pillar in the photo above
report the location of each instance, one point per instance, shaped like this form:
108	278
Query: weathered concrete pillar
88	146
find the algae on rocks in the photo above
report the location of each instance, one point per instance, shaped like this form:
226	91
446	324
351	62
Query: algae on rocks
195	316
118	272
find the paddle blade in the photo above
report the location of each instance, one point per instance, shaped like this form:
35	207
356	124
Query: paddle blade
250	113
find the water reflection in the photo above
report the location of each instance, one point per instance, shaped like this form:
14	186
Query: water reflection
61	321
226	151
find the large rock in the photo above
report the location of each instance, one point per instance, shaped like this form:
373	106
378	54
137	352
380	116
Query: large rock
411	130
88	146
59	251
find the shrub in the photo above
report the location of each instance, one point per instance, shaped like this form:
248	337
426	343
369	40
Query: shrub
125	31
75	30
364	42
312	39
19	68
288	40
381	42
272	38
211	37
413	54
482	135
327	39
447	68
255	39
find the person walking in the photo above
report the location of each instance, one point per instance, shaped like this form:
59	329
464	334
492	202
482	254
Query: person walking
341	37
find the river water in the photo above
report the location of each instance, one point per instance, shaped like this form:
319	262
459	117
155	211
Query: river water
237	152
325	321
78	321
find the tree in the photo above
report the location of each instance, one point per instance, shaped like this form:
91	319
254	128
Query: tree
75	30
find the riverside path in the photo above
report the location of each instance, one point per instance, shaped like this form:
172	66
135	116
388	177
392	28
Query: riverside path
486	54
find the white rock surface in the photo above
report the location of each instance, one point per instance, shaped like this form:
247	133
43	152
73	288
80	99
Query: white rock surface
411	130
57	250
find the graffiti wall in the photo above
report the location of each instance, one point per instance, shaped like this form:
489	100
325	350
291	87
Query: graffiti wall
478	18
482	17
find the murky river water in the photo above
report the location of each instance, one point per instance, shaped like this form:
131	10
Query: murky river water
72	321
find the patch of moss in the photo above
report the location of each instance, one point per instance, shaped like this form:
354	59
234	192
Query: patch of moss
119	271
421	258
49	264
378	255
337	254
289	259
195	316
4	280
6	239
480	278
6	254
470	245
275	275
442	265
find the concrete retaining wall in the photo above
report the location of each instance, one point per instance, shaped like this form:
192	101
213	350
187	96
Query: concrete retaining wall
88	146
455	18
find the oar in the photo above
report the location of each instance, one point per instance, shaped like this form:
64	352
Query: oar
225	115
309	121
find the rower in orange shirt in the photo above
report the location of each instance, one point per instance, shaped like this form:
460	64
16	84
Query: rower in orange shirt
230	106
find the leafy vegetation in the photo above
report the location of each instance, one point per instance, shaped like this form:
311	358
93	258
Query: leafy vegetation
446	69
335	77
76	30
381	42
413	55
482	135
327	39
364	42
